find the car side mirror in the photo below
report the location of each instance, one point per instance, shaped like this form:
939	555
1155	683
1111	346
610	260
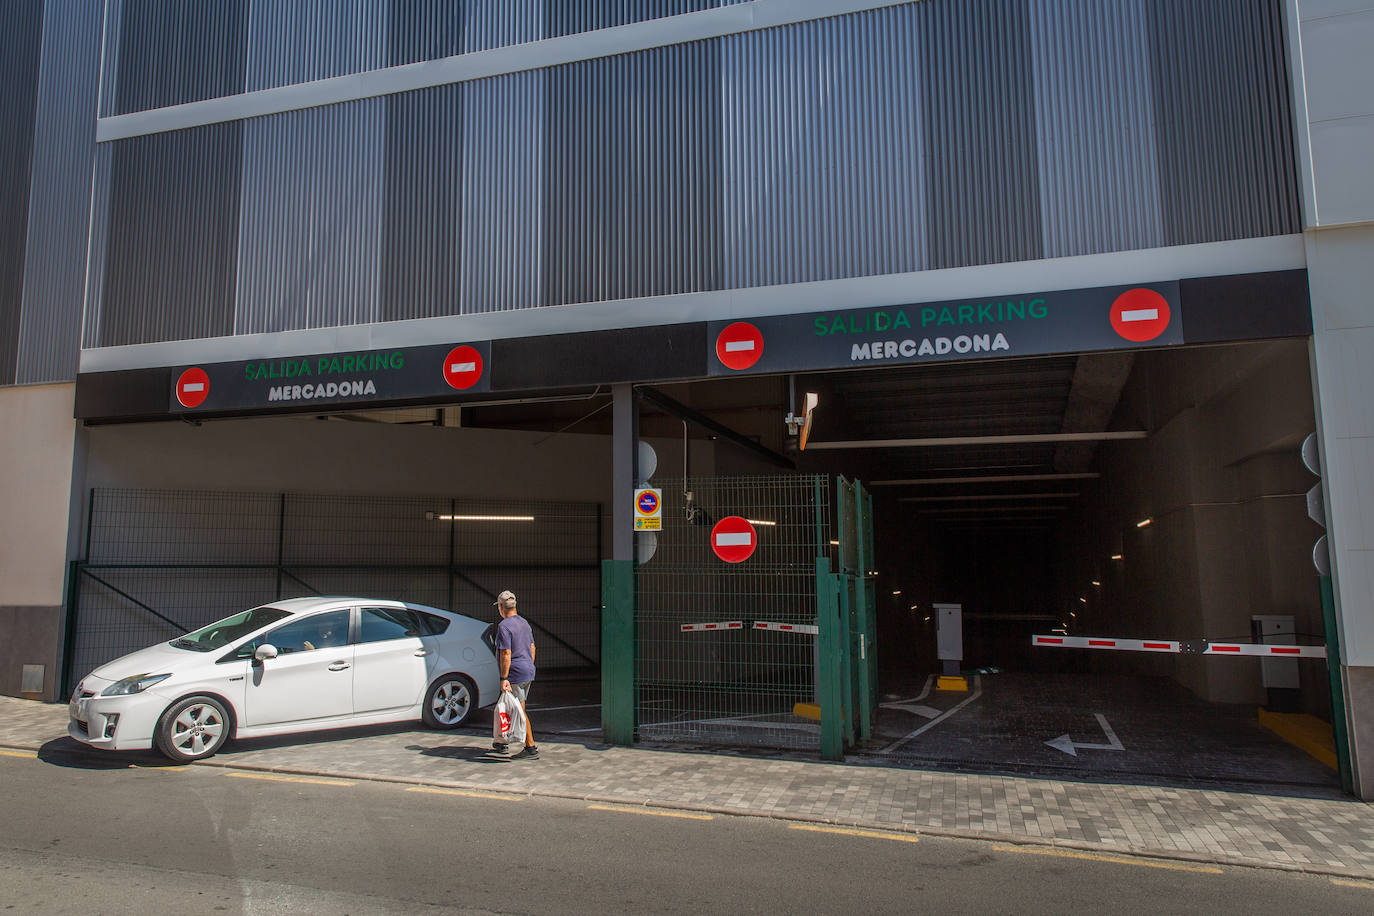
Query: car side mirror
264	652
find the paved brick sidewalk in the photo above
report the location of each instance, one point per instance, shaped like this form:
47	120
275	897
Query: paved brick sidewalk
1326	835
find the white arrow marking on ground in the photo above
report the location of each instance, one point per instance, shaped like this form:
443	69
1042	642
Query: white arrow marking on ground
1069	746
1140	315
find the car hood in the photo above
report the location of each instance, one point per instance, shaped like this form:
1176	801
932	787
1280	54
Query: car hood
158	659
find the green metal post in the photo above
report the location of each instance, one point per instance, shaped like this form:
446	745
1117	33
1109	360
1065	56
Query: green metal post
828	674
863	622
1339	734
618	651
845	592
870	588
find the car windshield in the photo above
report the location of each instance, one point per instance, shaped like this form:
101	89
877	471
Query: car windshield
221	633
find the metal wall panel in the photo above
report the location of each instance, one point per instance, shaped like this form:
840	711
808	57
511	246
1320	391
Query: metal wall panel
177	51
823	136
60	199
632	178
309	244
424	30
306	40
1224	121
173	236
422	206
1095	127
569	17
500	23
503	193
21	32
980	140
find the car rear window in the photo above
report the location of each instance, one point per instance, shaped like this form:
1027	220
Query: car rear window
433	624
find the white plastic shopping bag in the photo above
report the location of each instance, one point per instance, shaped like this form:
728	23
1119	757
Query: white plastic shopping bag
508	720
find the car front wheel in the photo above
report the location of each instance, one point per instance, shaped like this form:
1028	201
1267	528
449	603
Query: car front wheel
450	701
192	729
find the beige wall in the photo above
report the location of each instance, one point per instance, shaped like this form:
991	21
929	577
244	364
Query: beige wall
35	487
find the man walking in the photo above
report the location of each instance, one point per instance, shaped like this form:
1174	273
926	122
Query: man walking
515	655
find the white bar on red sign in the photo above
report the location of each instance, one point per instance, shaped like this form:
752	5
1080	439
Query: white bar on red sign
736	346
1140	315
704	627
1246	648
1106	642
787	627
463	367
744	539
193	386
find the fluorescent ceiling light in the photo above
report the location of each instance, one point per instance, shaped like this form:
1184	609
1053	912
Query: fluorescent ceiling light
1144	522
478	518
755	521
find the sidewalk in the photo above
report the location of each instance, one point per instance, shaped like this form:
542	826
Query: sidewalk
1321	835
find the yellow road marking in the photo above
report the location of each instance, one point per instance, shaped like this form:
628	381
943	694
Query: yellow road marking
464	793
274	778
26	754
1344	882
848	831
1116	860
654	813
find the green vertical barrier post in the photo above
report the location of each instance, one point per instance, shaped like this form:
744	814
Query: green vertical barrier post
829	688
845	591
618	651
864	619
871	592
1339	734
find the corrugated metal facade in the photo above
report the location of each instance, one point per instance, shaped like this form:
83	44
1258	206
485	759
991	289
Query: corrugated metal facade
21	30
918	136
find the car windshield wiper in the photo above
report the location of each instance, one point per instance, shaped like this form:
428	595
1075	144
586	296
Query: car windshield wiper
183	643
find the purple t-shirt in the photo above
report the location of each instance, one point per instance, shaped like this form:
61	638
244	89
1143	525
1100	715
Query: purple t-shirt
514	633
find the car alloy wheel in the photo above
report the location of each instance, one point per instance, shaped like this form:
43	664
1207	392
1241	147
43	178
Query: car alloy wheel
193	729
449	702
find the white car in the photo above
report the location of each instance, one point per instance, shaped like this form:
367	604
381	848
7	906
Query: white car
297	665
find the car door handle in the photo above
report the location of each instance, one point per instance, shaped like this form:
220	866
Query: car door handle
421	653
339	666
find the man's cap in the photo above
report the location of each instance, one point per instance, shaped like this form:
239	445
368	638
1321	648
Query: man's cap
506	599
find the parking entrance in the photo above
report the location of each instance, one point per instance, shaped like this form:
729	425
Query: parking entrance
159	563
753	623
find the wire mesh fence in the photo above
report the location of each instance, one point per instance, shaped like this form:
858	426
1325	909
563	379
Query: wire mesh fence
163	562
736	682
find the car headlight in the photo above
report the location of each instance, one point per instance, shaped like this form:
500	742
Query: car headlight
136	684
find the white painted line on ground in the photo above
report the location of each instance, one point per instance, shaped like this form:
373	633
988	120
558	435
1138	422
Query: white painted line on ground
557	708
1140	315
925	692
925	712
1071	747
977	692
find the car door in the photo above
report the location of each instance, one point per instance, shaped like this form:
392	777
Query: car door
390	661
310	679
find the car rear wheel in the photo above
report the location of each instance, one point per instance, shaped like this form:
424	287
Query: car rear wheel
450	701
192	729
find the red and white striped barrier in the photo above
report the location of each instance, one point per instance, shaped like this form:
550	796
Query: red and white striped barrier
787	627
1096	642
1175	646
703	627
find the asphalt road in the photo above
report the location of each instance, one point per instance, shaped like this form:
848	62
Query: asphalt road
80	835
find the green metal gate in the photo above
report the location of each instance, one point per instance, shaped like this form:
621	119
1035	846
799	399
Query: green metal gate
774	651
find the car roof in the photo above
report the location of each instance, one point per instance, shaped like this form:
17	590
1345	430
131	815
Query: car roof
329	602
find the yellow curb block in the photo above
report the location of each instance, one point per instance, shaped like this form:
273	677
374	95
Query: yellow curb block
1305	732
952	682
807	711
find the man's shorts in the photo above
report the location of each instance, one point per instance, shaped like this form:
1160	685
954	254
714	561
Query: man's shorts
521	691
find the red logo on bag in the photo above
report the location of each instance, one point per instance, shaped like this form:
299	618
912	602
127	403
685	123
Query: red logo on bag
505	722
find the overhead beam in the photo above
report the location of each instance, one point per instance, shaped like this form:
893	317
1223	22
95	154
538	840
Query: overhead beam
984	478
980	440
984	496
683	412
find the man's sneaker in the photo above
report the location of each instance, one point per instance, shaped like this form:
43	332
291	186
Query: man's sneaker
500	746
529	753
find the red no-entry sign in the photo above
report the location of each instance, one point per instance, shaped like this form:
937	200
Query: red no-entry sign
193	387
739	346
1140	315
462	367
734	539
